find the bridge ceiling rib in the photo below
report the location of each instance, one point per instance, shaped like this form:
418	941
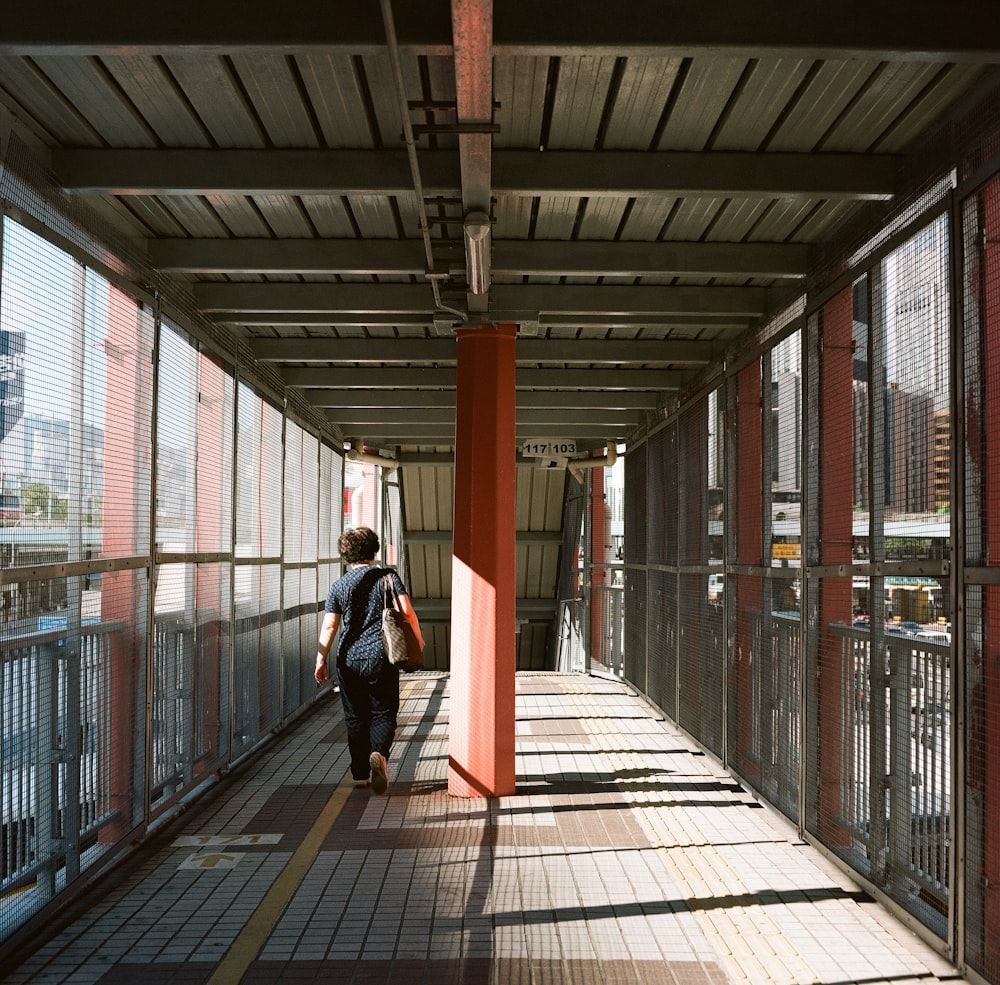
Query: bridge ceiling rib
655	184
657	179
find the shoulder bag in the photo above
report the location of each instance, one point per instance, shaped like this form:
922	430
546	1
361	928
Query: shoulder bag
401	644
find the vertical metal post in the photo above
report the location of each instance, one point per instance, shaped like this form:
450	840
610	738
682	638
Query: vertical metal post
46	765
834	517
233	491
766	711
72	651
282	664
888	682
956	668
151	640
736	645
596	566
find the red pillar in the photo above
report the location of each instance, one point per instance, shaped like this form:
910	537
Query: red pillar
481	733
836	530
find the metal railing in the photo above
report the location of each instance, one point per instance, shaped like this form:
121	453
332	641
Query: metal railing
173	706
776	683
609	646
54	768
895	764
57	760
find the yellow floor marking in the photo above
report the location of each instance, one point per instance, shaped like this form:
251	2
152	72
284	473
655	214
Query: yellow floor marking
249	941
254	934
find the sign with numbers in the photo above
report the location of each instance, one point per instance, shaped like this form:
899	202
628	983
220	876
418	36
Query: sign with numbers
548	448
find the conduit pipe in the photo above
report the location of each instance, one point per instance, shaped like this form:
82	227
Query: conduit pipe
396	61
577	466
354	455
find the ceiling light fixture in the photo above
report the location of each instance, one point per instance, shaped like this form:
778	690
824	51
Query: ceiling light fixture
477	252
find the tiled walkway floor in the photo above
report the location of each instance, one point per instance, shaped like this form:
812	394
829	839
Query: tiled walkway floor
627	857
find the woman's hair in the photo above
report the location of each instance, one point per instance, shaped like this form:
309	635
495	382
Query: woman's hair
358	545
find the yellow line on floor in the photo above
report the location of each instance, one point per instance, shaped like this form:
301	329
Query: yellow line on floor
251	938
249	941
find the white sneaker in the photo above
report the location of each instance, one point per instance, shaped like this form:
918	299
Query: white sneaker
380	779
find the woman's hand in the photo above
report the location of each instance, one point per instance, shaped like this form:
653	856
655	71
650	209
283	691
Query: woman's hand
331	623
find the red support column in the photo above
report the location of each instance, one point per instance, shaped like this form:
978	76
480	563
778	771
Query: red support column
481	734
836	535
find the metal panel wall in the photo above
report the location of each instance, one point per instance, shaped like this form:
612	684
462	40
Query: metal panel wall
813	558
703	631
978	634
662	631
152	628
635	508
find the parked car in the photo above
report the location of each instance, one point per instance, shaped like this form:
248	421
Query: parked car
716	587
10	509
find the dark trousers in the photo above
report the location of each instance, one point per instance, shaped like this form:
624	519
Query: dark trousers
370	711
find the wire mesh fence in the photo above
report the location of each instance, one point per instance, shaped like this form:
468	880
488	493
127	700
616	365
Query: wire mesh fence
166	540
796	582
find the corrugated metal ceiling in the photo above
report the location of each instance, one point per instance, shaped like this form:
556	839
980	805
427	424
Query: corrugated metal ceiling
658	176
650	180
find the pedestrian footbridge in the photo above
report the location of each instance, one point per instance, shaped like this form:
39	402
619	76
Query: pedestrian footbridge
624	855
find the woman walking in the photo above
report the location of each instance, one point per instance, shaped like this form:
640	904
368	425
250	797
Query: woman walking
369	684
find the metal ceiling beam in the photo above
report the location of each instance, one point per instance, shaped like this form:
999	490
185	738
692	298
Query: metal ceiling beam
345	319
377	257
528	610
636	174
406	322
571	299
353	377
588	174
350	419
511	258
390	435
446	459
526	399
422	399
852	28
606	351
525	538
472	32
510	302
517	258
610	319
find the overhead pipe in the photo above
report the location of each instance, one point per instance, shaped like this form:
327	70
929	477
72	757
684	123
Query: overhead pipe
411	153
356	455
577	466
